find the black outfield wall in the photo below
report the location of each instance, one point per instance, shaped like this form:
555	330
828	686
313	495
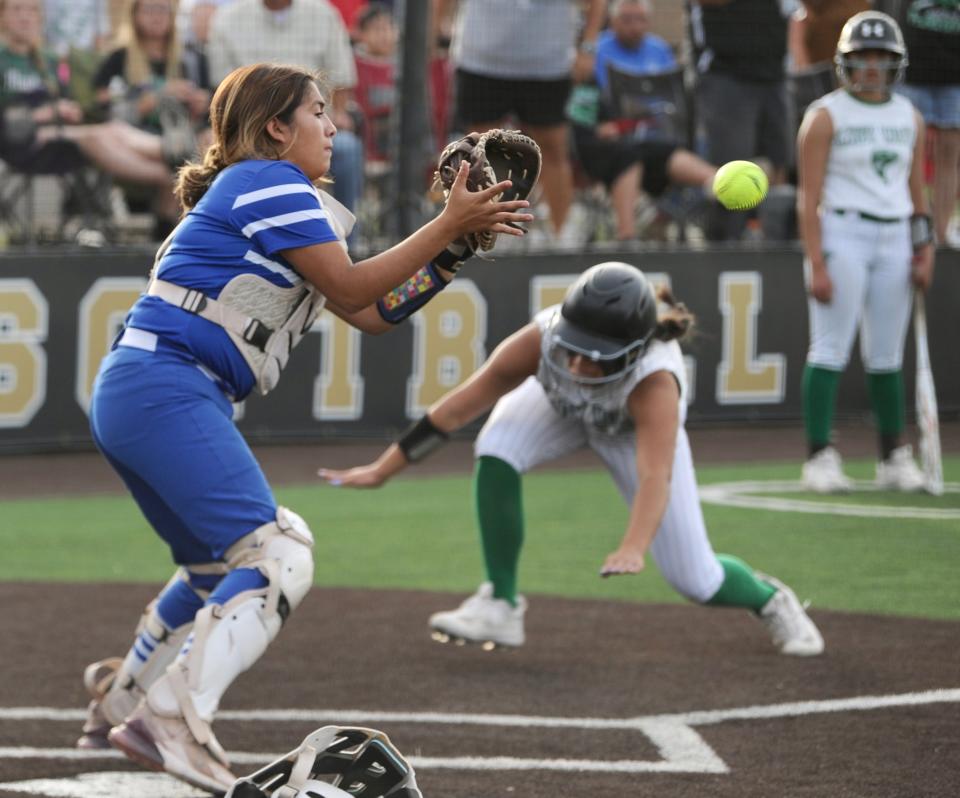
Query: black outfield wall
59	311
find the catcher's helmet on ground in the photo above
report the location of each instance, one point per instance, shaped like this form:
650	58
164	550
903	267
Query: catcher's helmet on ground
870	30
334	762
608	315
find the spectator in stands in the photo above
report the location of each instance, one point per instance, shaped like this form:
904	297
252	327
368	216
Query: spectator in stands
310	33
740	48
78	32
931	31
812	35
629	154
518	60
144	78
42	128
815	28
77	25
628	43
376	90
611	151
196	35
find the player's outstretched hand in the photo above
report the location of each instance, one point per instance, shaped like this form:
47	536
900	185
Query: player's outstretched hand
476	211
624	560
365	476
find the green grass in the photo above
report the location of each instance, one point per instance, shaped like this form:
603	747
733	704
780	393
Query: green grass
419	534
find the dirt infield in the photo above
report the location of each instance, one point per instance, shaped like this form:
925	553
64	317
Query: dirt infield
606	699
587	664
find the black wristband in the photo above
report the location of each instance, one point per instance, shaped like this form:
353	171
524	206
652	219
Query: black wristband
452	257
420	439
921	230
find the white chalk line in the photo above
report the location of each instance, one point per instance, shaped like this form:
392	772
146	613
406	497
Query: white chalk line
681	748
743	495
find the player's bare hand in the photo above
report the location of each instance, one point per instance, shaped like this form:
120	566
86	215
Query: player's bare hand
922	267
475	211
821	286
367	476
624	560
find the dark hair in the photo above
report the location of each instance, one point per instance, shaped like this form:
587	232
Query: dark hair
243	104
370	12
674	323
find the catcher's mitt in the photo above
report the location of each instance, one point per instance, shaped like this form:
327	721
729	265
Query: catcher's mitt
493	156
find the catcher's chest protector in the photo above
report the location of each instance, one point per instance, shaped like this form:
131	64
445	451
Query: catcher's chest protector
264	321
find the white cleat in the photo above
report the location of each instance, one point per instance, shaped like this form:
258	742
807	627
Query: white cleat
900	471
823	473
167	744
482	619
790	627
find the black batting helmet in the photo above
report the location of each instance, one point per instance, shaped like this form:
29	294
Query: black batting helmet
608	315
610	309
870	30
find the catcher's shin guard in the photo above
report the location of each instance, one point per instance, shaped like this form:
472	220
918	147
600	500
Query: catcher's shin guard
335	762
227	639
116	686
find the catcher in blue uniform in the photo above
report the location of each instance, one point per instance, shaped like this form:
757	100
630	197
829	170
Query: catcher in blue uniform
259	251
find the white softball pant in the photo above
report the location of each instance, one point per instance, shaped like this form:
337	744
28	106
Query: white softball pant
524	431
869	265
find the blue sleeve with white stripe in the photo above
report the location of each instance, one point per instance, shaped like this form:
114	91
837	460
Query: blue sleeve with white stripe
280	209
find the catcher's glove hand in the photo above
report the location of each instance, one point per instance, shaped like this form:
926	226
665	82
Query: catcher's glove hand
493	156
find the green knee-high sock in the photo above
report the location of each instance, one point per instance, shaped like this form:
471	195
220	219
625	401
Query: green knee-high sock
741	587
886	397
500	516
819	390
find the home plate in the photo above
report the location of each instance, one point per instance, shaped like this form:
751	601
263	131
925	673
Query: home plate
116	783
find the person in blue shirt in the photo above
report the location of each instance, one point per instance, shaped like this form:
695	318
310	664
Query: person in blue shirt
259	251
628	43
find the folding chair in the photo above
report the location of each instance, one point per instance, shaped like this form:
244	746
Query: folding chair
662	110
81	197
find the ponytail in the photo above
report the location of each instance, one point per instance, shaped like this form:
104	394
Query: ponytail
193	179
675	323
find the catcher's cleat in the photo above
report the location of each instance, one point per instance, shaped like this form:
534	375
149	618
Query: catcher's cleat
98	678
791	628
823	473
167	744
482	619
95	729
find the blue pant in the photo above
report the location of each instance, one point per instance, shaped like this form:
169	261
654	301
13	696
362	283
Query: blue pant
168	431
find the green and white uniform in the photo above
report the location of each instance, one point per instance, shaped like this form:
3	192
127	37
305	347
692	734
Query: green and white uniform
865	209
539	422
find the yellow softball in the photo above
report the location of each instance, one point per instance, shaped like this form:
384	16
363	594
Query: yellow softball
740	185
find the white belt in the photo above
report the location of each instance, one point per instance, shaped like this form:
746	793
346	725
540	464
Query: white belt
138	339
147	341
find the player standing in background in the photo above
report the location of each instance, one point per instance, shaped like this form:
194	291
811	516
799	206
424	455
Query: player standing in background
236	285
867	235
605	371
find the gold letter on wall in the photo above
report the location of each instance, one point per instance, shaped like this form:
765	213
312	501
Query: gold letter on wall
338	389
448	336
23	361
742	376
101	314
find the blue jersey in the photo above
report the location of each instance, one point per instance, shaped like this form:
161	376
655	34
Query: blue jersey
653	55
253	211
